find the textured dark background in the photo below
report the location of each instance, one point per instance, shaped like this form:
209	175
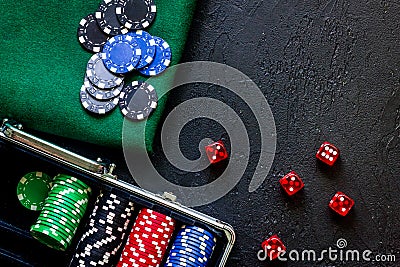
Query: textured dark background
330	71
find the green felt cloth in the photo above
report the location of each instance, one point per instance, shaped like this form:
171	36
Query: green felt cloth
42	66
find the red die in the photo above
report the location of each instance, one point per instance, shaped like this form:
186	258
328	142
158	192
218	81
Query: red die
328	153
291	183
341	203
273	247
216	152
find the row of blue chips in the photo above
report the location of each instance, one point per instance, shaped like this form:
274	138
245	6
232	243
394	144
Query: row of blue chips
192	247
150	55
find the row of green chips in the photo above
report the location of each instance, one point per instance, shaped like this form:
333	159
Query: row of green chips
62	212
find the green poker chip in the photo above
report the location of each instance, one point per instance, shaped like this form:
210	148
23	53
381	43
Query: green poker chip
73	180
58	213
70	188
60	202
32	190
60	220
65	233
80	204
49	237
70	194
63	212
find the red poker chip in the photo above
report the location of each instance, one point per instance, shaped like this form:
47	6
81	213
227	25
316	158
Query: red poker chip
146	244
127	264
148	247
150	258
154	225
156	219
140	242
156	214
148	250
160	240
148	254
152	229
158	237
139	237
153	234
151	220
143	258
133	262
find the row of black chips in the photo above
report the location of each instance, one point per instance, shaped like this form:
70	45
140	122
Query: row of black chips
114	17
104	233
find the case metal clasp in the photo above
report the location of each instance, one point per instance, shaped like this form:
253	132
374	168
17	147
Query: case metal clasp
169	196
15	134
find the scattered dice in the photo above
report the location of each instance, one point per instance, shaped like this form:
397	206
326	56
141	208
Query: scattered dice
341	203
273	247
291	183
328	153
216	152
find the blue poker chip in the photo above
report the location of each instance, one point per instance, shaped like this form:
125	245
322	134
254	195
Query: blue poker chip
147	45
193	244
161	60
186	258
176	262
121	54
198	229
194	238
197	256
198	235
190	248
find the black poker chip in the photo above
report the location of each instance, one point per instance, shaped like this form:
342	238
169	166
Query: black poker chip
96	106
90	36
107	18
102	94
137	100
136	14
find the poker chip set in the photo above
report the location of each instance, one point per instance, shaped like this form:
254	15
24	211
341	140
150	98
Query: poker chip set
63	201
124	226
115	34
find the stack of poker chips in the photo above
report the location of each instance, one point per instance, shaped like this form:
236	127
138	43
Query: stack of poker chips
193	246
148	240
62	212
105	231
115	33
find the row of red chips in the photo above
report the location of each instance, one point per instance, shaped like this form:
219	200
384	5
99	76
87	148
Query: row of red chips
148	240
